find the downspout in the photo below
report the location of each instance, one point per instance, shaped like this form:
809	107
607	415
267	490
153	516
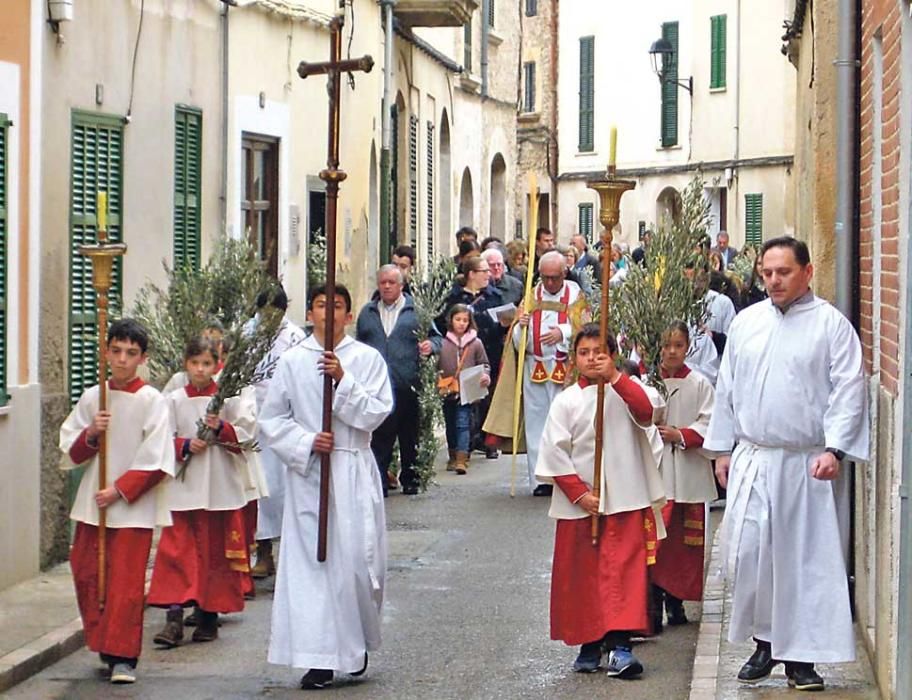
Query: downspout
844	230
485	30
736	152
386	133
554	160
223	185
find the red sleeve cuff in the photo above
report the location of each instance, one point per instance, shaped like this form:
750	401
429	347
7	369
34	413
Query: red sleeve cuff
227	434
81	451
691	438
136	482
573	487
635	398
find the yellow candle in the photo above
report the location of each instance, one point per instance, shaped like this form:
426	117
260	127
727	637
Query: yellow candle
101	207
612	150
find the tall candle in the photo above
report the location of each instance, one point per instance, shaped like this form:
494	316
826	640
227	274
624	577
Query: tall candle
612	150
101	207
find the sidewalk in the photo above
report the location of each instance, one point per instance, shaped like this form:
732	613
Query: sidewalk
717	660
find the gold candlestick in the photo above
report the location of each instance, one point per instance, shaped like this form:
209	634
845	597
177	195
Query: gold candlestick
102	255
610	192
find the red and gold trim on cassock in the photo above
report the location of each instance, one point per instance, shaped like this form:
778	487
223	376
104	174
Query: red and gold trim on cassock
200	561
679	565
540	374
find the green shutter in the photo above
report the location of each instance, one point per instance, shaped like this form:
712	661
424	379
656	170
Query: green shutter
188	155
585	221
4	257
430	191
467	46
491	12
753	219
413	180
586	93
717	51
670	87
96	163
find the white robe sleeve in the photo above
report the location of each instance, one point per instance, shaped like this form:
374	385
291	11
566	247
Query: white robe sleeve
285	436
845	422
79	419
365	402
240	411
156	451
720	435
556	442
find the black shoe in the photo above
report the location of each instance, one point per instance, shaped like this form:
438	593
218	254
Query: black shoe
656	603
589	658
491	453
410	489
759	666
363	668
674	608
802	676
317	679
543	490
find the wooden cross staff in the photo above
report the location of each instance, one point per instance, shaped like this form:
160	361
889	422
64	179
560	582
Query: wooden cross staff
332	176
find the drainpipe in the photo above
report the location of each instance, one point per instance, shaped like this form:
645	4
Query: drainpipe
844	229
736	153
223	185
386	131
485	30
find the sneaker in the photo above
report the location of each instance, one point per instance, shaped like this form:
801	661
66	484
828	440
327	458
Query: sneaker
589	659
802	676
317	679
623	664
122	674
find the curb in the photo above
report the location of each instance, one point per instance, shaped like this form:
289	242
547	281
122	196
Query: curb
37	655
709	639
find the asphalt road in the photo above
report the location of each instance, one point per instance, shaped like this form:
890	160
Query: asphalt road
466	616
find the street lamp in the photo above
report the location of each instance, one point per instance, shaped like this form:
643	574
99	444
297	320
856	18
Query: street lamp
661	52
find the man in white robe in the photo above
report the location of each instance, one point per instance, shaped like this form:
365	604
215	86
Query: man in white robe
791	396
326	616
547	352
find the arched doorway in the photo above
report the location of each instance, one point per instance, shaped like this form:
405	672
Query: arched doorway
668	207
445	188
466	200
498	225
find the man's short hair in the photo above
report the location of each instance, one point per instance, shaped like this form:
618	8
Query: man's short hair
541	231
723	233
279	299
489	241
799	248
593	330
552	256
320	290
489	253
130	330
389	267
405	251
466	231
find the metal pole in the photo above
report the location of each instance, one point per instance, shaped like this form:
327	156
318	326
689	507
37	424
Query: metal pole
386	135
845	167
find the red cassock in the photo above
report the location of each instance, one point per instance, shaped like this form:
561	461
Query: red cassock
250	512
201	560
602	588
679	560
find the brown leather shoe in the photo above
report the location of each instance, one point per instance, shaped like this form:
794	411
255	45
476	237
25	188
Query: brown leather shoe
172	634
462	462
265	566
451	462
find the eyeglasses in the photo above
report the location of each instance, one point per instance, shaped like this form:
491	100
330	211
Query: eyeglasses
484	269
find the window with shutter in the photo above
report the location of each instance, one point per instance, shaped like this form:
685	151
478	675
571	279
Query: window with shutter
188	142
529	86
430	191
717	51
467	46
4	257
531	8
670	87
753	219
394	173
491	13
413	179
585	212
587	93
96	164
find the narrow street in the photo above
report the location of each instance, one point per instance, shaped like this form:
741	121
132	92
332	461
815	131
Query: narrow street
466	616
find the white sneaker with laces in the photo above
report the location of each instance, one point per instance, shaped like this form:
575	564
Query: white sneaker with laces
122	673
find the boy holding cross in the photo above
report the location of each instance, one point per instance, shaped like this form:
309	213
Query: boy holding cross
140	453
326	615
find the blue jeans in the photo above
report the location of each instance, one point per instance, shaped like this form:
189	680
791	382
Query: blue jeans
457	419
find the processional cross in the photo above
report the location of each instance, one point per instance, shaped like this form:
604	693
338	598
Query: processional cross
332	175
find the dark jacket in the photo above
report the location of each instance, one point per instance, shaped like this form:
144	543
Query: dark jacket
511	289
490	332
400	349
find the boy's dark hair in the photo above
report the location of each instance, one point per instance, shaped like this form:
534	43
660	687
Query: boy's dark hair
200	346
541	231
676	327
466	231
630	368
467	247
213	324
592	330
320	290
799	248
131	330
489	240
279	299
405	251
460	309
